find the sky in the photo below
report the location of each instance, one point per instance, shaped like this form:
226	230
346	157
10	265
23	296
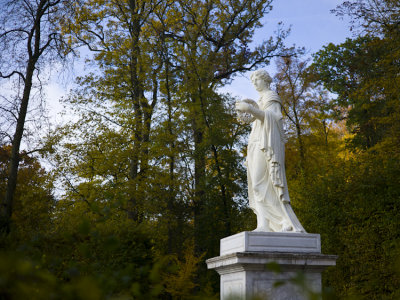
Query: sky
312	26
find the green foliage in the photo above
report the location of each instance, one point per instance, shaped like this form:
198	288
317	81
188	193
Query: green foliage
350	192
362	72
353	204
33	202
84	258
22	278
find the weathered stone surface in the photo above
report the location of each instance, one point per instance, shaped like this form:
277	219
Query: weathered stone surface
246	274
246	257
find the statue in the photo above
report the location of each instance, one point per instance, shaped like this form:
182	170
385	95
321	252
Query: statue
267	186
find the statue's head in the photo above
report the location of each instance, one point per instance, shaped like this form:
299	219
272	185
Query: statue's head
261	74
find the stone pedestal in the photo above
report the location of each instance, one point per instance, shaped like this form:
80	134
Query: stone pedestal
270	265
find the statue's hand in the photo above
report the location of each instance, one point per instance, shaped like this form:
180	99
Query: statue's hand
242	106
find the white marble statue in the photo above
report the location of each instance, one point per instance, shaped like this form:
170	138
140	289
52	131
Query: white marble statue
268	192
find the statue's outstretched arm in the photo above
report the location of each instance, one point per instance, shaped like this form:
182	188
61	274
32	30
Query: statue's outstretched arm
259	114
245	107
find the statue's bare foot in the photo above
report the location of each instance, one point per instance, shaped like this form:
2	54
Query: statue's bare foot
286	228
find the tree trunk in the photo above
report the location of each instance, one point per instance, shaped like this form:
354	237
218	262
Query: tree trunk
224	196
301	145
35	48
171	188
199	192
299	138
7	205
133	205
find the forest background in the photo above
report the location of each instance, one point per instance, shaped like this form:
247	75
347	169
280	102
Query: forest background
150	164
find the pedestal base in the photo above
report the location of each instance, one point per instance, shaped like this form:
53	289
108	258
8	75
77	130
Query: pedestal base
254	241
248	274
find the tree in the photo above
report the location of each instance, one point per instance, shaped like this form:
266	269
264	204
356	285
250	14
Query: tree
177	133
33	199
377	17
29	38
146	44
306	105
214	47
364	71
294	90
363	229
360	72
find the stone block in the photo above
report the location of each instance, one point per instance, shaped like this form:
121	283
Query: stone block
271	242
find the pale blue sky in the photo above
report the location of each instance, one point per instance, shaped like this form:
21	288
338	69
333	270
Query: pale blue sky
312	26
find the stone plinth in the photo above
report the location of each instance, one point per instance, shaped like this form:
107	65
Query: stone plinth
246	257
271	242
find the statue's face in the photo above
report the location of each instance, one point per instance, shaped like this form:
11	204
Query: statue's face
260	84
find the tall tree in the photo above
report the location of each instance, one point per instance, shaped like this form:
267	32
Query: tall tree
377	16
185	60
214	47
364	73
124	48
294	90
306	104
29	38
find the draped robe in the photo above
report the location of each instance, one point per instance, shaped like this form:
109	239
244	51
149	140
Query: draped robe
267	185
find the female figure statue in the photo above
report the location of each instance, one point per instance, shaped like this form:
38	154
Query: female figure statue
267	186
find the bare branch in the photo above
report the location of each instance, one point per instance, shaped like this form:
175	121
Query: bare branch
12	31
87	44
10	112
26	153
13	73
50	39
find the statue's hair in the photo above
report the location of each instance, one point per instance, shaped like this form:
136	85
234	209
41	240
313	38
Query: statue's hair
262	74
